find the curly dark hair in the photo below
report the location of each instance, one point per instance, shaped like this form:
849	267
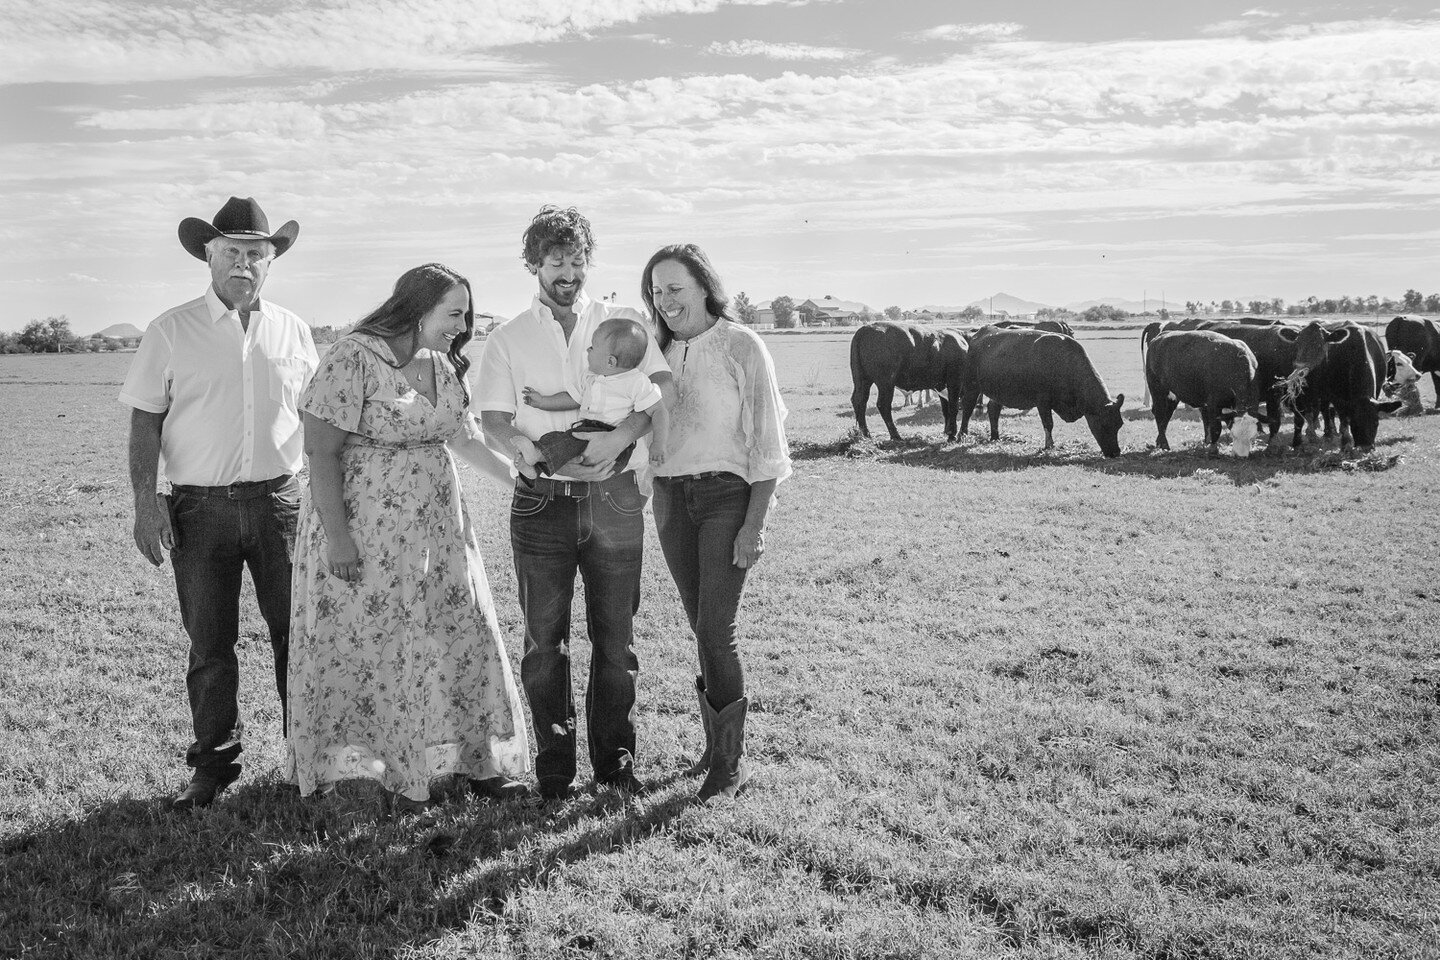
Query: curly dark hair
418	291
553	227
694	260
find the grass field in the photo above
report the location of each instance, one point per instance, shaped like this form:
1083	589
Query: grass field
1007	705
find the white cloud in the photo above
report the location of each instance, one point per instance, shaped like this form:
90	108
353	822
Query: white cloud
972	32
104	40
1239	134
778	51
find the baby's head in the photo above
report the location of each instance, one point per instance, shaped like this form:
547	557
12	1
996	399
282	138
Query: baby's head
618	345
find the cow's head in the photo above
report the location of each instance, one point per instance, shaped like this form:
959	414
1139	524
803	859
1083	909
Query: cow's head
1403	368
1312	341
1105	426
1242	436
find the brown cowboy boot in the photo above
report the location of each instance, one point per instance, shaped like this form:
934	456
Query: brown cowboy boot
702	765
729	769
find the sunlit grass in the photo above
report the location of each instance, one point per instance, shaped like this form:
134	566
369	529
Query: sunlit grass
1007	704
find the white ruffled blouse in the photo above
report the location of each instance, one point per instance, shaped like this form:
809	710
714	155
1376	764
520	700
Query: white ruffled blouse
728	415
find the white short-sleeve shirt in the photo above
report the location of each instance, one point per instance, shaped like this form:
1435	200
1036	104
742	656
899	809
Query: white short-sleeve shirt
229	395
613	397
531	351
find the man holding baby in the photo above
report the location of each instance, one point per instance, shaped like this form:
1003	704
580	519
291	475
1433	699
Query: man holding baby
586	516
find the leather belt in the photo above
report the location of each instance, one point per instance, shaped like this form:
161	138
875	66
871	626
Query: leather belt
578	489
245	490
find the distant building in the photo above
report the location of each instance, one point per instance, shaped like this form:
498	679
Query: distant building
828	311
764	316
101	342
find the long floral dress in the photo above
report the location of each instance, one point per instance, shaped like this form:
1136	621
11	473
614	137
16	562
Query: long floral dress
401	676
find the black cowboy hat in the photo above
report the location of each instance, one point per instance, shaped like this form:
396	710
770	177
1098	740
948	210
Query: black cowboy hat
238	220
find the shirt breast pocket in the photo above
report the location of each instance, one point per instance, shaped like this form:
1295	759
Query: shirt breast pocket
287	375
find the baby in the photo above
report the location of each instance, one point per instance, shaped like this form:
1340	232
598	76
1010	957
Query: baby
613	389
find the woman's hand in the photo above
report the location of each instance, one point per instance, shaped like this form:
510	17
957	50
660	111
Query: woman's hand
342	559
749	546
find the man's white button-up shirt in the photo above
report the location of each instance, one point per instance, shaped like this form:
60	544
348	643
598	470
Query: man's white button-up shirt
229	395
530	351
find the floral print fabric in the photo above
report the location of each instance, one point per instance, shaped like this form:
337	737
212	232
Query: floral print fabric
401	676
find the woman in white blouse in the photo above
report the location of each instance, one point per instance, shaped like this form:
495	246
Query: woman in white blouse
714	482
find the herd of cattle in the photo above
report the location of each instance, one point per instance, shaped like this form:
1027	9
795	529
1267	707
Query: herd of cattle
1227	369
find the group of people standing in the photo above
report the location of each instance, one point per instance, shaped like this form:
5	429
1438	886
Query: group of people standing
389	660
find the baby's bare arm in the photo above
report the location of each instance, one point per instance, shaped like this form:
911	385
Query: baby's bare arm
549	401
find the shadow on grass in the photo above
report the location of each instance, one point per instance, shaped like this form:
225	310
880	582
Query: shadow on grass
266	872
971	454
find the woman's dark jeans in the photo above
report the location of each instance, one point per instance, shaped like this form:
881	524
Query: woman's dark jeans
697	519
597	529
219	532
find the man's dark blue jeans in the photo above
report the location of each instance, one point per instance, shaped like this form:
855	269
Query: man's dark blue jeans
697	518
219	532
557	529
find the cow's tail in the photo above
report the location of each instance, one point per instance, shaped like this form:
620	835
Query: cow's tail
1146	335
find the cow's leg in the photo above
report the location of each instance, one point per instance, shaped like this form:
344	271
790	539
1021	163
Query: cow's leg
968	402
1435	382
1047	420
994	410
1210	423
1347	441
1273	416
858	400
947	410
884	399
1162	408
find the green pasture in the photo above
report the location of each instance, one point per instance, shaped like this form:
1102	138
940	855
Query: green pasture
1006	705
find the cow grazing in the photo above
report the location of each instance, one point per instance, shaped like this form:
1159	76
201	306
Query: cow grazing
1022	369
1201	369
903	356
1274	349
1420	338
1343	368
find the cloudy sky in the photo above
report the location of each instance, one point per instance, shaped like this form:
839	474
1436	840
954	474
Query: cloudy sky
901	152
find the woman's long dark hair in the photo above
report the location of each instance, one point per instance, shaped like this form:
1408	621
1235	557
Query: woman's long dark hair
701	270
417	292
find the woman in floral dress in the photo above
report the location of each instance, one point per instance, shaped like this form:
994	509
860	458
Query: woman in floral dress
397	669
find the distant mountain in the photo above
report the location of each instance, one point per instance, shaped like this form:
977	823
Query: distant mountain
1129	306
1004	302
120	331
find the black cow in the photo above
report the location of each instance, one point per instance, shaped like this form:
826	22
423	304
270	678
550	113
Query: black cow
1048	371
1419	337
1201	369
1274	349
891	355
1343	368
1053	326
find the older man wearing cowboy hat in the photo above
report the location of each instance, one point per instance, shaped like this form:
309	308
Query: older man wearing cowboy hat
213	390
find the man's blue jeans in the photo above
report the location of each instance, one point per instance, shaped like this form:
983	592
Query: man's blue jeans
219	532
597	531
697	518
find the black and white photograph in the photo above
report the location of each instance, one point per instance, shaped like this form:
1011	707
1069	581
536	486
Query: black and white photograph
712	479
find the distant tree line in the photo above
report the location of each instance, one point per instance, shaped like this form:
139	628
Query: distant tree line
52	335
1412	302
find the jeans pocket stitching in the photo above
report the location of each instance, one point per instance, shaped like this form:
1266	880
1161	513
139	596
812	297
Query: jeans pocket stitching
540	501
622	509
